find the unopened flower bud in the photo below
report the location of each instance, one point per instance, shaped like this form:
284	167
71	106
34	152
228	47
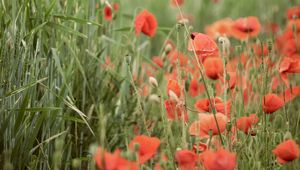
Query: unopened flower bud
153	81
225	43
154	97
168	48
173	96
287	135
178	149
183	21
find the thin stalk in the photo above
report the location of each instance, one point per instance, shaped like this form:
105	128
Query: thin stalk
200	66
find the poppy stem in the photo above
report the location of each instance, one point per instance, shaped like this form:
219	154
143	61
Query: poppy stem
200	66
139	102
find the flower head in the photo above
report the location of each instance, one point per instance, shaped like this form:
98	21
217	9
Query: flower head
286	151
146	23
147	147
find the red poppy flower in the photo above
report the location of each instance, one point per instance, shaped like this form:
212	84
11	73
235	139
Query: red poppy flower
244	28
146	23
174	86
288	45
289	94
147	147
245	123
287	151
219	28
176	2
220	159
186	159
108	12
174	111
293	12
203	105
213	67
112	161
293	25
271	103
207	123
289	65
203	45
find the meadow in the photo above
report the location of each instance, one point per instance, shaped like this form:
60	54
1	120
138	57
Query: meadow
150	84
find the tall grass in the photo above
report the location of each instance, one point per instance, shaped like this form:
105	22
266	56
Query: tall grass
59	99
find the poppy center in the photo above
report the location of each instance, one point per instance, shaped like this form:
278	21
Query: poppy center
193	36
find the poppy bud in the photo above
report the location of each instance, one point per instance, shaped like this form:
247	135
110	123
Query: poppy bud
154	97
168	48
173	96
225	43
287	135
153	81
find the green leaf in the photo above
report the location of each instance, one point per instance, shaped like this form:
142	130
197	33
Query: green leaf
36	109
66	29
24	87
78	20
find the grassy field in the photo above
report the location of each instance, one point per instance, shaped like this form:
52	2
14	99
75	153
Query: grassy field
71	81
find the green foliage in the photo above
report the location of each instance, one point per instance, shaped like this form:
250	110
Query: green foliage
58	96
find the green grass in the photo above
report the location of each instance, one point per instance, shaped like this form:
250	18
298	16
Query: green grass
58	102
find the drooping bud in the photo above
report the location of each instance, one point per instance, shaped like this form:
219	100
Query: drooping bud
154	97
225	44
168	48
173	96
153	81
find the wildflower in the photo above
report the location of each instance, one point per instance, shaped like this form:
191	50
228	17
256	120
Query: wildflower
287	151
288	65
146	23
290	93
174	86
245	123
271	103
207	124
290	46
243	28
221	159
213	67
293	13
186	159
203	45
147	147
203	105
112	161
175	111
219	28
108	12
153	81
